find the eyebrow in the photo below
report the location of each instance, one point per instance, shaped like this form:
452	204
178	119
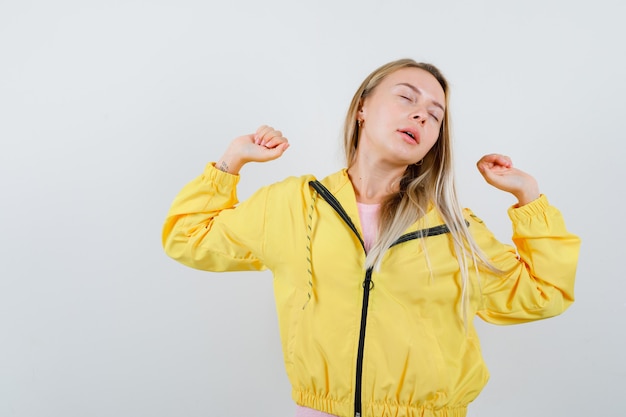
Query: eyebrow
418	91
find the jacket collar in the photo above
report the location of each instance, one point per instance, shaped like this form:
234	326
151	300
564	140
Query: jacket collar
340	186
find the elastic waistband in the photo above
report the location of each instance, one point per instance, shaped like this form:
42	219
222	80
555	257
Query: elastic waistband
379	409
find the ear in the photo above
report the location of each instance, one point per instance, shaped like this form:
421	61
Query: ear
361	112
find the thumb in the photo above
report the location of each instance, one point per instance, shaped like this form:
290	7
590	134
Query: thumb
275	152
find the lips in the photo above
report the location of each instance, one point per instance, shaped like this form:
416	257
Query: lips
410	135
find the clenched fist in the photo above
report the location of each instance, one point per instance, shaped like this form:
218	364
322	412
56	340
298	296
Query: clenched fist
265	144
498	171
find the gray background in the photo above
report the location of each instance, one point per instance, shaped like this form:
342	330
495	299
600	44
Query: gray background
108	108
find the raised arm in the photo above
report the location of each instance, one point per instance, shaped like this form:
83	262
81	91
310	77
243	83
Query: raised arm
205	227
539	272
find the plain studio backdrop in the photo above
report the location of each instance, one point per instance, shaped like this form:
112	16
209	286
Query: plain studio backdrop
108	108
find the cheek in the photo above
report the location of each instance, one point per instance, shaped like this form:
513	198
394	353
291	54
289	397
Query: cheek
378	119
433	134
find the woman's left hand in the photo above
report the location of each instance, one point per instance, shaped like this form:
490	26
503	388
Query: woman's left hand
498	171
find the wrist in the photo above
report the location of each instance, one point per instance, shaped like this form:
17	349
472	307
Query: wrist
229	165
527	196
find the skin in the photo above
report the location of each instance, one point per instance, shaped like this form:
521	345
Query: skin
499	172
266	144
409	99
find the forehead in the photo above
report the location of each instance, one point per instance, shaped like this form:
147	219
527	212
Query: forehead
418	78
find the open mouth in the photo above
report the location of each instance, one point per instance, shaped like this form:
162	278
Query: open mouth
410	135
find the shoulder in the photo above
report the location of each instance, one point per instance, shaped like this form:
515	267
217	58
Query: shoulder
302	182
471	217
477	227
291	184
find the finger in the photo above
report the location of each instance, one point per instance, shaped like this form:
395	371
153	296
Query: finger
484	168
493	160
485	163
490	158
265	133
505	161
260	132
270	135
275	141
275	152
282	148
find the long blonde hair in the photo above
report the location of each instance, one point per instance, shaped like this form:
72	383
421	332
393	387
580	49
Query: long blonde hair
432	181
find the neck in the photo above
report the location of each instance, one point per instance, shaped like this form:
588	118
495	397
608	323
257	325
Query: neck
374	181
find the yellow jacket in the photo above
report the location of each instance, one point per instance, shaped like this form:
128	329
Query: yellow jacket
396	345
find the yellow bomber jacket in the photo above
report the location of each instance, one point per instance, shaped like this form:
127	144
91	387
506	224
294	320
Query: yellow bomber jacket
373	343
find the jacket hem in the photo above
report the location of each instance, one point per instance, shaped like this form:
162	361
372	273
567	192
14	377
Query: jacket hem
344	408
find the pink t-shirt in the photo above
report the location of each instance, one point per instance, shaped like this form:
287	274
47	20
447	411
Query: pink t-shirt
309	412
368	214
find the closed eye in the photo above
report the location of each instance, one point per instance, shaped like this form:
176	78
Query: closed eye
434	117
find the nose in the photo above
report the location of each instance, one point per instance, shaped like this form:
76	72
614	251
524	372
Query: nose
419	116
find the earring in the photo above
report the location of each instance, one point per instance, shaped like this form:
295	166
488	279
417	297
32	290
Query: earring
419	163
360	122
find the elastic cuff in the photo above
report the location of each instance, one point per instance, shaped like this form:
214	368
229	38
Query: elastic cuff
534	208
211	173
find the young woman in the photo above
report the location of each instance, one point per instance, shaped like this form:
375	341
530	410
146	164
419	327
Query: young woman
378	271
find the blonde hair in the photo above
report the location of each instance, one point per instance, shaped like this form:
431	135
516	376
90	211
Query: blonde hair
432	181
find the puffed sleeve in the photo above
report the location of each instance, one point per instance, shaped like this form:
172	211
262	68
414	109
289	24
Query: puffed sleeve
537	279
207	229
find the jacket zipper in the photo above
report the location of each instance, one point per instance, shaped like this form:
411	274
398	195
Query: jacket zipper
368	284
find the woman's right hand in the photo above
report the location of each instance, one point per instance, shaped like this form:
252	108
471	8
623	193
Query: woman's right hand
265	144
